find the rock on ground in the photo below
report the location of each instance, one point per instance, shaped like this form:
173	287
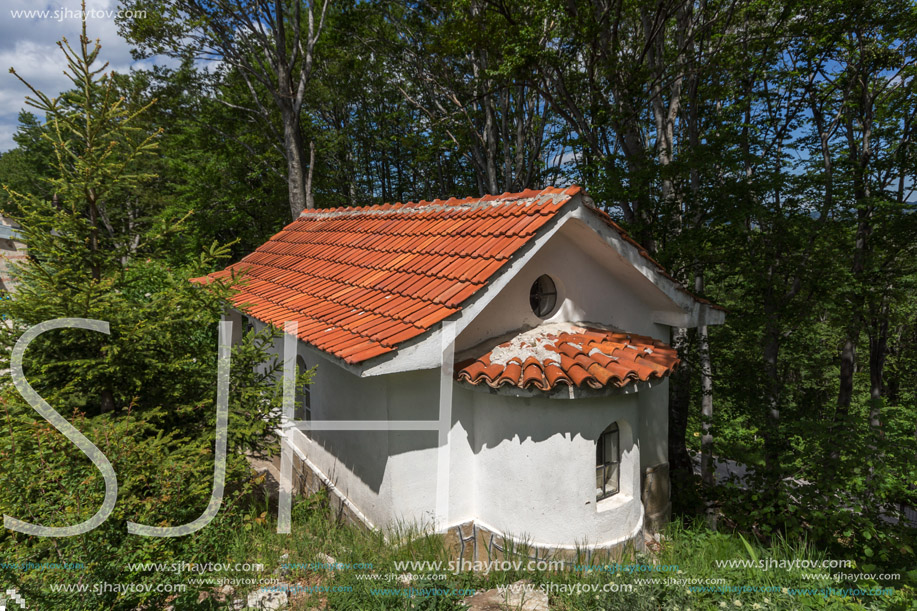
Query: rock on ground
518	597
268	599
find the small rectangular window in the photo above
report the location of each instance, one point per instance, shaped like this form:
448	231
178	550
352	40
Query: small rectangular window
302	410
607	463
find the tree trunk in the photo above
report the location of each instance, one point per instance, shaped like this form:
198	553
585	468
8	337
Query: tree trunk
293	149
107	402
679	403
848	367
310	196
772	437
94	268
706	463
490	145
832	454
878	350
351	178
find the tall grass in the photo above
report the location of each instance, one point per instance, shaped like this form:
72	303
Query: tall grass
665	577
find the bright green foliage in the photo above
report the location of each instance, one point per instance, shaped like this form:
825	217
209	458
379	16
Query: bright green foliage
213	165
163	478
162	347
95	145
145	394
690	556
25	169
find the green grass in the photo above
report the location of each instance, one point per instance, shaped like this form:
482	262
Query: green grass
693	549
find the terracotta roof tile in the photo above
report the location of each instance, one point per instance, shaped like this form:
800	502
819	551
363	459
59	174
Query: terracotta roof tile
363	280
564	353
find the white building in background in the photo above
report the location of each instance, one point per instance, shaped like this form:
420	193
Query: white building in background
11	250
530	323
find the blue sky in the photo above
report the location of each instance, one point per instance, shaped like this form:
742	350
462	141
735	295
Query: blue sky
29	44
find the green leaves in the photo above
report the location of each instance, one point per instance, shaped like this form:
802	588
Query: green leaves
751	551
145	394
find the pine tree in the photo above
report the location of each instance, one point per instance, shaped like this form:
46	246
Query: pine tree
161	352
145	393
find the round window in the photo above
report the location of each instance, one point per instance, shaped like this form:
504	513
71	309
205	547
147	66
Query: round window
543	296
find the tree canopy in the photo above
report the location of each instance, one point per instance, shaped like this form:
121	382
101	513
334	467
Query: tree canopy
763	152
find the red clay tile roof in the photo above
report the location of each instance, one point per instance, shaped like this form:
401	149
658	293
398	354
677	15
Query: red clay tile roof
362	280
563	353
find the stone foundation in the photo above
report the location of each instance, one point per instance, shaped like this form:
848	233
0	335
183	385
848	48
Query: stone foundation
470	542
307	481
656	495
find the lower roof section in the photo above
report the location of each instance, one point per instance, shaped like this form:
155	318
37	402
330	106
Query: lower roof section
576	355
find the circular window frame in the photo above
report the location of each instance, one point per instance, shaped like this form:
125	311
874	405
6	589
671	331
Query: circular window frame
546	290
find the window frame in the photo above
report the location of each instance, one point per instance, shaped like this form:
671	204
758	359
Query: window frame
302	409
543	296
604	463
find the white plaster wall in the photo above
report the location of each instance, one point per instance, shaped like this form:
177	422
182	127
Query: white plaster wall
653	410
391	476
536	469
595	284
355	461
521	466
411	469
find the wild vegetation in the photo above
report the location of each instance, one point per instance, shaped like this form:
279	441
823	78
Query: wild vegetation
763	152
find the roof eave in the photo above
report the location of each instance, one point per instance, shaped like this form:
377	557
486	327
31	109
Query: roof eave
565	391
690	311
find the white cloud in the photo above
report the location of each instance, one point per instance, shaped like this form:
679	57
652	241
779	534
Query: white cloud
29	44
6	134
